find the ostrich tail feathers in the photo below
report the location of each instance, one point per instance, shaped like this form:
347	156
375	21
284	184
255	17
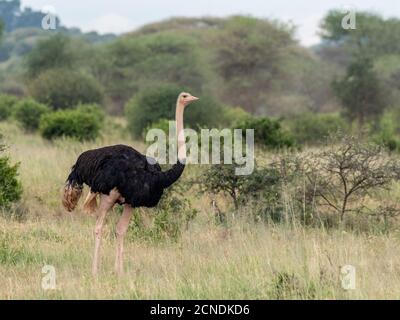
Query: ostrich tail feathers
72	191
71	195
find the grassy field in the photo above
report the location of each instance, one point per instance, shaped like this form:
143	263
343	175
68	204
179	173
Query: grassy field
246	261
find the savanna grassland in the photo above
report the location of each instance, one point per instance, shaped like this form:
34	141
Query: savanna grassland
310	207
242	261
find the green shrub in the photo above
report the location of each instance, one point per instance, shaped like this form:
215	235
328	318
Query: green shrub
162	124
13	253
313	128
77	124
233	115
62	89
130	64
92	109
344	178
10	187
52	52
173	215
260	187
387	132
267	132
159	102
6	104
287	285
28	113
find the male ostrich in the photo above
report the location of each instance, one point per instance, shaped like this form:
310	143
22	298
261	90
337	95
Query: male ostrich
120	174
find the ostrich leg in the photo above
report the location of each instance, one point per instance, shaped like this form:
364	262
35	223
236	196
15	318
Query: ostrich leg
106	203
122	227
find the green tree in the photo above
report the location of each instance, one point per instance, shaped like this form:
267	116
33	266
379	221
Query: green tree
387	131
361	92
7	103
54	52
10	187
134	63
249	56
313	128
373	34
342	178
159	102
28	112
62	89
78	124
267	132
261	186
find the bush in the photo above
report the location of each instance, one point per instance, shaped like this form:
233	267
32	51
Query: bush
313	128
159	103
77	124
388	130
6	104
233	116
10	187
173	215
287	285
341	179
260	187
392	144
12	252
162	124
52	52
62	89
134	63
361	91
92	109
28	113
268	132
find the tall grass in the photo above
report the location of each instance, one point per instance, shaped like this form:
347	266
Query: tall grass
247	262
242	261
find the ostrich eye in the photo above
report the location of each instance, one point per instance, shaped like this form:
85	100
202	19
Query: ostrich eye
185	96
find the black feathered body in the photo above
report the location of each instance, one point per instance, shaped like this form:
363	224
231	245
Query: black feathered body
139	181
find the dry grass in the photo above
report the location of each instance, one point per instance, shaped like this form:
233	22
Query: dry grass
245	261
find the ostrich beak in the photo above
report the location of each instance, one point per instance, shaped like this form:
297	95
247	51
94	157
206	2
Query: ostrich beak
192	98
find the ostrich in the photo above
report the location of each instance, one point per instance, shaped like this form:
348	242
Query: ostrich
120	174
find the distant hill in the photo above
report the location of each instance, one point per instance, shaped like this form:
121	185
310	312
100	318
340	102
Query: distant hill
23	30
180	24
240	60
14	18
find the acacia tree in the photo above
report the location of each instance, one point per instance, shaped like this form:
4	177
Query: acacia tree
221	179
361	92
137	62
249	56
373	34
341	177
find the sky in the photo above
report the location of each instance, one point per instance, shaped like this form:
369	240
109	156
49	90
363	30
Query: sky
119	16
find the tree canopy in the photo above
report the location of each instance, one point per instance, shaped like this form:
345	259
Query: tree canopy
249	56
14	17
373	33
50	53
360	91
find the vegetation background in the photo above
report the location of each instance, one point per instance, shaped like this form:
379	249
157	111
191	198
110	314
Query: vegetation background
324	193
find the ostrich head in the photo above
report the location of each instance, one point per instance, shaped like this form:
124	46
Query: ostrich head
185	99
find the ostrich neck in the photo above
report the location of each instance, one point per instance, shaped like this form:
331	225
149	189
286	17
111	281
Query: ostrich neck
180	131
